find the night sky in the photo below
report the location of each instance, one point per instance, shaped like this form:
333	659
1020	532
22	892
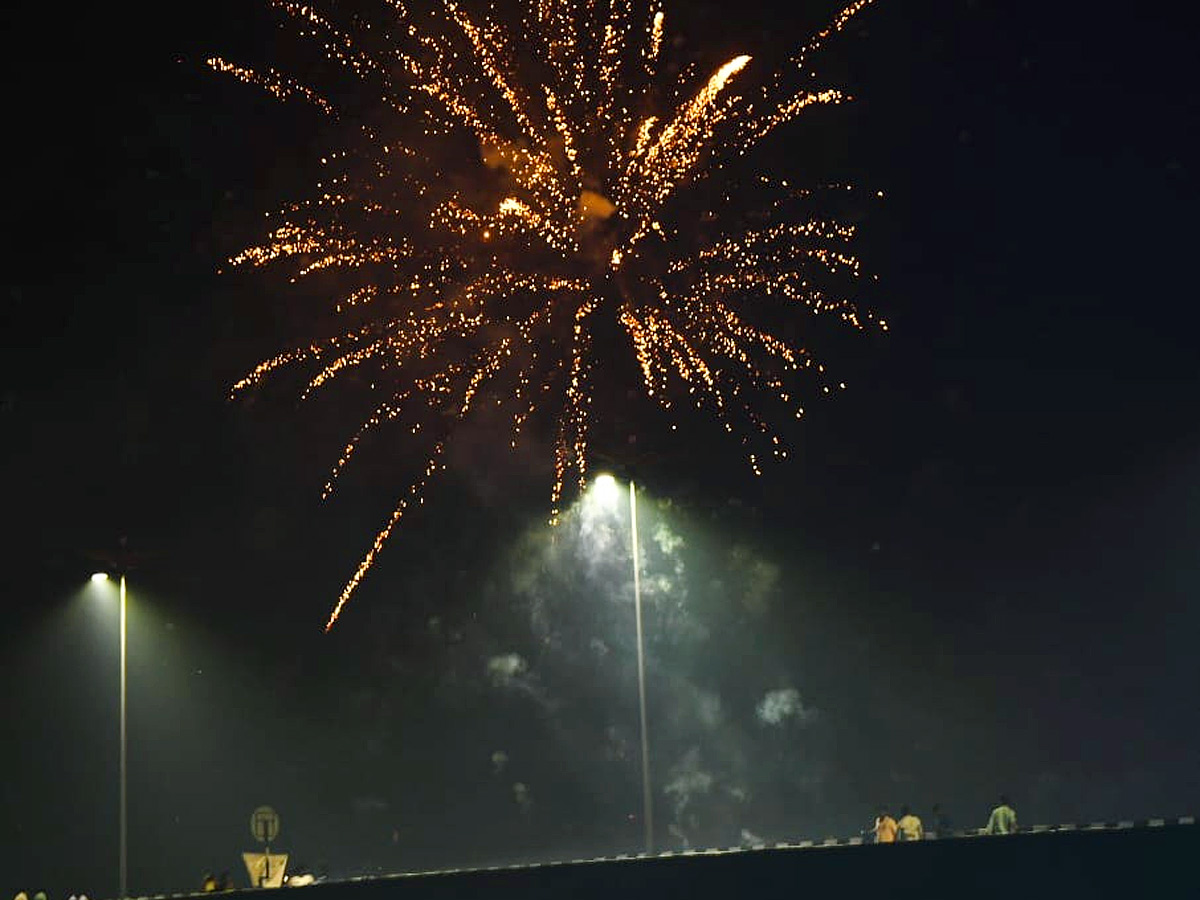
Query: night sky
976	573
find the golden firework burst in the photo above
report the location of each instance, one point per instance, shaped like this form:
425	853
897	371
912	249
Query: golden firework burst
537	179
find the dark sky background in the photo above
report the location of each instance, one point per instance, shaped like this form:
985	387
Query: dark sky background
977	572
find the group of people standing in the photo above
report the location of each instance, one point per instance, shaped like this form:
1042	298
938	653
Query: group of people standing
909	827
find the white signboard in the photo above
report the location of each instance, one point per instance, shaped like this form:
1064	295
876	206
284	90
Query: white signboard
264	824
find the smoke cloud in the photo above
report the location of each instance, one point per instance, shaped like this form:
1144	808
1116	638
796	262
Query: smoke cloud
779	706
560	625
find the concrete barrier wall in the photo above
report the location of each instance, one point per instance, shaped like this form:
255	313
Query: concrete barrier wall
1158	858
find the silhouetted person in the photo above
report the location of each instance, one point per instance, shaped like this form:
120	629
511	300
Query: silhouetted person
210	883
225	882
910	826
1003	819
940	822
885	828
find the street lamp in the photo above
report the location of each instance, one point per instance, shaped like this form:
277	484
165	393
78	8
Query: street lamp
102	578
607	492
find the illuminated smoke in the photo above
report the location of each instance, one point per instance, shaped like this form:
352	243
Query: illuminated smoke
504	670
779	706
750	839
523	797
723	749
708	709
686	783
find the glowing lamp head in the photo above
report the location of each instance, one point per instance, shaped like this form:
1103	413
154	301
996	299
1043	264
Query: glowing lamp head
100	578
605	487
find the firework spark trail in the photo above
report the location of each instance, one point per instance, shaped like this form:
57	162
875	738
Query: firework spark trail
280	86
414	494
571	447
466	282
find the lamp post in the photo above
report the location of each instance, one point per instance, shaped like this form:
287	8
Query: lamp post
647	798
123	852
607	485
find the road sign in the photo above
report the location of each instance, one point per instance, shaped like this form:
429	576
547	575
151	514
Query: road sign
265	869
264	824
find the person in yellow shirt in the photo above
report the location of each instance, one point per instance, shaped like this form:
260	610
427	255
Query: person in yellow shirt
1003	819
885	828
910	826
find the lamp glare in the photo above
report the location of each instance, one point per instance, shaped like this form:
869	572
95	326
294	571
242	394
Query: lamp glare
606	490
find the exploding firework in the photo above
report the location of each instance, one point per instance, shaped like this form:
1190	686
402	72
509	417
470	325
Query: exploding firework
532	174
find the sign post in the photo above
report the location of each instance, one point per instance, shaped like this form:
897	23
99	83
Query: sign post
265	869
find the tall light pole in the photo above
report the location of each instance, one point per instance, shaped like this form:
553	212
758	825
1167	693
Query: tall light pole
123	883
647	798
606	486
123	852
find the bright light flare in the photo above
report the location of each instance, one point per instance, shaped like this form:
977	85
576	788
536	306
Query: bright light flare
100	578
606	491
